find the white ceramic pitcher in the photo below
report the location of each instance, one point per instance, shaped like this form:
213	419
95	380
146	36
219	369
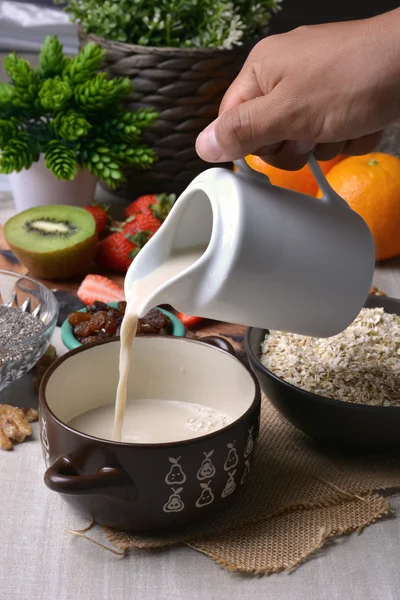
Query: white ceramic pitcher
273	258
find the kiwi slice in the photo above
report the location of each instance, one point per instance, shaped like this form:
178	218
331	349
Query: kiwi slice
53	242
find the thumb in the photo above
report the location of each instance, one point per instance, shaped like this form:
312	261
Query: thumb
253	127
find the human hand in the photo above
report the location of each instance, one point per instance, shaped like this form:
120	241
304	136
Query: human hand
325	89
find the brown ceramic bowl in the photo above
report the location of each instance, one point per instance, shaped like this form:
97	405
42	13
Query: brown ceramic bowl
143	487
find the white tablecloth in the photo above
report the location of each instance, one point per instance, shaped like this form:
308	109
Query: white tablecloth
39	561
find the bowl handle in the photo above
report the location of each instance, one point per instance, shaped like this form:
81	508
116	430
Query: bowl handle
63	477
219	342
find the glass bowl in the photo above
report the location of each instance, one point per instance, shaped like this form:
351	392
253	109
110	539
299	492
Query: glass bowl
28	295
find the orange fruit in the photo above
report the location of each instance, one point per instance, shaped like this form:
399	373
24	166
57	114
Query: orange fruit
370	184
299	181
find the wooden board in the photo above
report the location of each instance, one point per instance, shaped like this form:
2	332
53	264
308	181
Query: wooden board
70	285
233	333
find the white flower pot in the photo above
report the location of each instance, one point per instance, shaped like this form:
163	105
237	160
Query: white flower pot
38	186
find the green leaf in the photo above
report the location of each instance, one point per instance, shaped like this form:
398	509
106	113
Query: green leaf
139	240
19	71
55	93
85	64
71	125
6	100
141	157
169	23
8	129
100	92
51	56
95	162
125	125
163	207
6	93
24	79
19	153
61	160
72	114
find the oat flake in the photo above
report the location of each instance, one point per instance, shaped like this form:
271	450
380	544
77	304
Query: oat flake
360	365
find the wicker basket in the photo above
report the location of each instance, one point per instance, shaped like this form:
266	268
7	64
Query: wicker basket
186	87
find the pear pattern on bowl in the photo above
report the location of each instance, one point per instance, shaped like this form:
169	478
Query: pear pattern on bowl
250	444
206	497
246	471
207	469
232	458
175	475
45	442
230	485
174	502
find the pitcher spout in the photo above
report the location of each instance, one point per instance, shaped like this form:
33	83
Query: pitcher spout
189	229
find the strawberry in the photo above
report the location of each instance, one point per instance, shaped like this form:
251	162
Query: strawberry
158	205
141	222
189	321
113	253
100	213
97	287
116	252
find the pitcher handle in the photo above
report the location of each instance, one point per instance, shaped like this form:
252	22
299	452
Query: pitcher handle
243	168
329	194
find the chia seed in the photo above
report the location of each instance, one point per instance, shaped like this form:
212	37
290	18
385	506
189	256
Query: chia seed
15	326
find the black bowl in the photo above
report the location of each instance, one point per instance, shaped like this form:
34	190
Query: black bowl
333	422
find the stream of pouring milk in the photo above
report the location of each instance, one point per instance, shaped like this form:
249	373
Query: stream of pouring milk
140	291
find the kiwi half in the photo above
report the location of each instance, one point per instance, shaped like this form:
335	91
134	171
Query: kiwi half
53	242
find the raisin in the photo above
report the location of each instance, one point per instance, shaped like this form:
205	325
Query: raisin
111	324
99	320
76	318
101	306
155	323
96	307
101	335
122	307
143	328
117	316
84	330
88	340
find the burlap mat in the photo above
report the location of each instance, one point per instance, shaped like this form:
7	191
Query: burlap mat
299	495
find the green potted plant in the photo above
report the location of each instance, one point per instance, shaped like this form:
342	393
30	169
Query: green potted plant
63	125
181	56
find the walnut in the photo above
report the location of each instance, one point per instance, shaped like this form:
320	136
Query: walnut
14	424
376	292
